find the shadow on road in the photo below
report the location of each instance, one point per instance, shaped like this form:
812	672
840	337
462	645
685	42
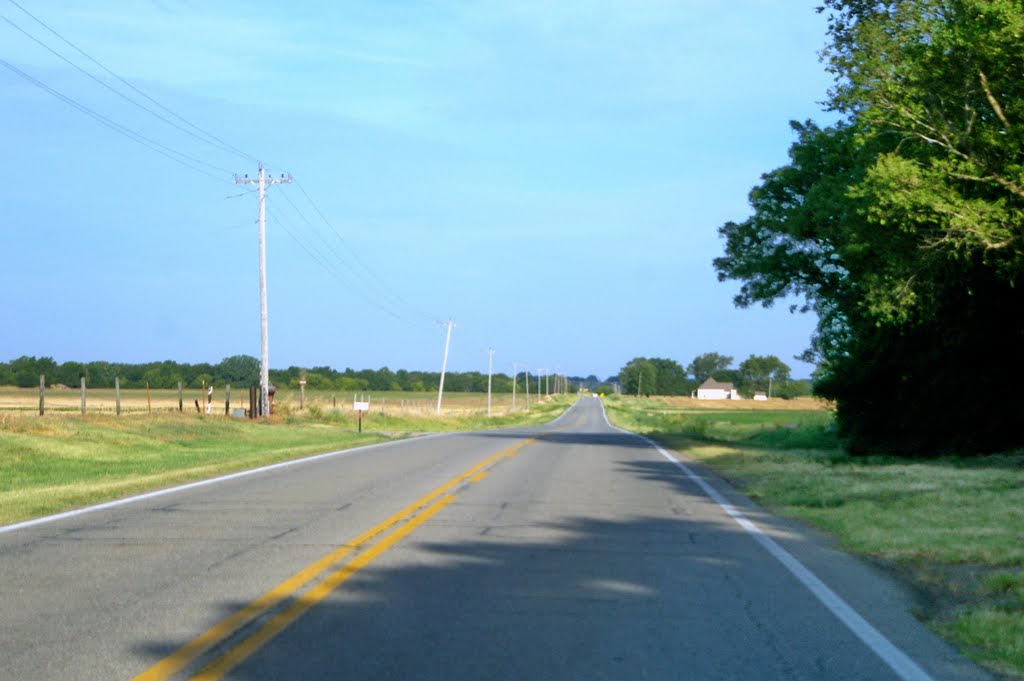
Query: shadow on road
667	595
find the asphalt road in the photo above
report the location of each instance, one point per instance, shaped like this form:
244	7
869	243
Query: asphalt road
569	551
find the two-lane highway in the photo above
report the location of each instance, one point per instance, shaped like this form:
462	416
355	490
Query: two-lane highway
569	551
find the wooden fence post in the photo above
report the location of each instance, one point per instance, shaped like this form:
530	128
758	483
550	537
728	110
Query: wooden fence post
117	395
149	401
227	400
180	404
82	380
42	394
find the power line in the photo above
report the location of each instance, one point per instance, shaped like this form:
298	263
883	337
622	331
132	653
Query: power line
390	303
108	87
324	262
392	298
210	138
179	157
359	260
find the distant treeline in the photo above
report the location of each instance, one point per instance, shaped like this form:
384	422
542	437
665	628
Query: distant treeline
242	370
650	376
661	376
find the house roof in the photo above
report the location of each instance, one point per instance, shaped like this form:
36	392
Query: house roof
712	384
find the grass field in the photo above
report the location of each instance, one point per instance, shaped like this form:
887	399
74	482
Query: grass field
952	528
64	460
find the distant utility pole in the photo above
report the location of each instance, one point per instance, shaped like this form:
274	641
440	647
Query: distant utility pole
444	362
515	379
262	181
490	369
526	372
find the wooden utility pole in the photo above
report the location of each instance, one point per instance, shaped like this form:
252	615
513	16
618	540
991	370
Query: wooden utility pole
515	379
42	394
444	362
490	368
262	181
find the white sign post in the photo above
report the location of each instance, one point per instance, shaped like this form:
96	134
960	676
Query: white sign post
360	407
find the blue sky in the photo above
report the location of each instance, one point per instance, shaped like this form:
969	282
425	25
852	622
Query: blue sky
550	174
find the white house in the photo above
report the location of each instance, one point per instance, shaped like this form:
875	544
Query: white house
759	396
713	390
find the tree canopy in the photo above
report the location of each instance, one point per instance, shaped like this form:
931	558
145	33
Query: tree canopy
902	226
708	365
240	371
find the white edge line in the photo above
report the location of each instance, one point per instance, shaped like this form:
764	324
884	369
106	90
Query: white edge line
898	661
202	483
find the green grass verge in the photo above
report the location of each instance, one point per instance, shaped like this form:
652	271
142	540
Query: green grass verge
952	527
56	463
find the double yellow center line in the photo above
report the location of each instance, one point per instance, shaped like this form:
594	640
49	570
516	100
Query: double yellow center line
371	543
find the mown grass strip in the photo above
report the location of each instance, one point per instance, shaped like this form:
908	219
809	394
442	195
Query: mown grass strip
57	463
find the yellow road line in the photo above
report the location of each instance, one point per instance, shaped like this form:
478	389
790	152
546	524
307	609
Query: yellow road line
188	653
279	622
479	476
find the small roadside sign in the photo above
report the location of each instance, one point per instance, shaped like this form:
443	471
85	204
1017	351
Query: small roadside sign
361	406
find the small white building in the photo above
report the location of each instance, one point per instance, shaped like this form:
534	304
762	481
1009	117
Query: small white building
713	390
759	396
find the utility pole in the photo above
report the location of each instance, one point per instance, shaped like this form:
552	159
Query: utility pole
515	379
490	368
527	372
444	362
640	381
262	181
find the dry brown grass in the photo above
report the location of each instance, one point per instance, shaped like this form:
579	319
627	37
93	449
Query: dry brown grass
63	400
774	404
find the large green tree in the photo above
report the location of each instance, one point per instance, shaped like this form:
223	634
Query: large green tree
639	377
763	373
238	370
708	365
902	226
670	377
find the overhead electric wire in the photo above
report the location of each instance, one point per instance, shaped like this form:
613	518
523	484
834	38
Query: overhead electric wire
108	87
387	299
180	157
318	258
382	294
210	138
336	267
355	255
394	298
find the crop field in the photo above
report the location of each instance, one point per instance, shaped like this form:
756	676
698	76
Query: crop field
62	400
